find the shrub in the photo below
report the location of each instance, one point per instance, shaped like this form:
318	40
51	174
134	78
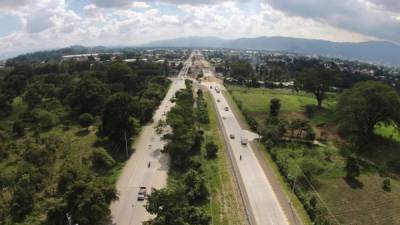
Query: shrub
102	160
386	185
309	110
352	168
212	150
45	118
86	119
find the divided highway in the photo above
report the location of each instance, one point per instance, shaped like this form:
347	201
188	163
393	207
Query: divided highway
263	206
136	173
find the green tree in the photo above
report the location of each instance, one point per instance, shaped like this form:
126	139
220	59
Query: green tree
365	105
117	120
101	160
274	107
88	96
316	82
196	190
212	150
44	118
22	201
352	168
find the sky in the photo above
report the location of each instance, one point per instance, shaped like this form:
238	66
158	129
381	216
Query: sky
30	25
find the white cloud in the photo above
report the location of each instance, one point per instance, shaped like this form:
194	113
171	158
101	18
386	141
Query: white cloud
51	23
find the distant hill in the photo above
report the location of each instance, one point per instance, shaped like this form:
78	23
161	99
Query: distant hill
212	42
373	51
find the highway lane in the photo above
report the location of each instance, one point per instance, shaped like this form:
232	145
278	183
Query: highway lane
127	210
261	201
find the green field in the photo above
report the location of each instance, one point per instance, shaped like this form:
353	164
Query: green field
257	101
363	202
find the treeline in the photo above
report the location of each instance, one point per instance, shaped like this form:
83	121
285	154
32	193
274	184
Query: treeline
43	181
181	202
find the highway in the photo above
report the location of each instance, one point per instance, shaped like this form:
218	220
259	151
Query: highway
136	173
262	204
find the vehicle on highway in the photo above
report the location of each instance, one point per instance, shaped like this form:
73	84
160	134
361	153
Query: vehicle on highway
224	118
243	140
142	194
218	100
226	108
217	89
232	136
210	87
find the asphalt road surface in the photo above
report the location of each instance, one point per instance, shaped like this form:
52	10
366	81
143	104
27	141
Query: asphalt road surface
262	205
136	173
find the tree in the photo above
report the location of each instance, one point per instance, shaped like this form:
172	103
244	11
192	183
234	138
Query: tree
316	82
101	160
117	120
196	190
44	118
365	105
352	168
86	119
212	150
87	203
274	107
88	96
22	201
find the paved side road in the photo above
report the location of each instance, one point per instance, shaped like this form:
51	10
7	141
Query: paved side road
136	173
265	208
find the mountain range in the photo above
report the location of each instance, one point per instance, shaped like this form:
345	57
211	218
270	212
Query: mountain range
372	51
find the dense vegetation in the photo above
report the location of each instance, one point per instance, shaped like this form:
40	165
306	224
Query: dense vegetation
180	203
63	128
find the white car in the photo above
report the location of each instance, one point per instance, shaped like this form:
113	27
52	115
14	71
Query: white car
142	194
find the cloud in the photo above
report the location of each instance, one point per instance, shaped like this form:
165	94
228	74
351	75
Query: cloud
123	3
353	15
39	22
390	5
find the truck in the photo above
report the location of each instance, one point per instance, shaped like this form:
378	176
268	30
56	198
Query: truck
243	140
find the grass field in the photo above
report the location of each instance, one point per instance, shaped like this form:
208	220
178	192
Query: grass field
257	101
361	203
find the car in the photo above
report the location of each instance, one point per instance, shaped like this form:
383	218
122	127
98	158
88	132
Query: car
223	117
232	136
226	109
142	194
218	100
210	87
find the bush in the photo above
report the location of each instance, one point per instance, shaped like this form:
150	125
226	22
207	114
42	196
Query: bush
45	118
102	160
386	185
212	150
352	168
18	128
309	110
86	119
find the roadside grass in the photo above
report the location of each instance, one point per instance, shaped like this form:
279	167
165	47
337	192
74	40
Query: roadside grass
225	206
363	203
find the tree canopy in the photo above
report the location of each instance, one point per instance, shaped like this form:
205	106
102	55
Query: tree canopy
365	105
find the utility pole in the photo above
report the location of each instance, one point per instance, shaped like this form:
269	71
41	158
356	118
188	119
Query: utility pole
126	145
